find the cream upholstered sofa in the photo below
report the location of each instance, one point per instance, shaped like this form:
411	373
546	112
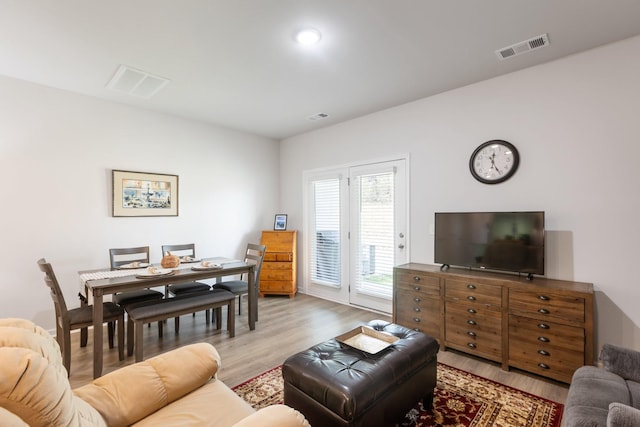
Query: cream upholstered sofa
177	388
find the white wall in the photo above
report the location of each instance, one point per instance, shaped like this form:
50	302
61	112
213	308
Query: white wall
57	150
576	125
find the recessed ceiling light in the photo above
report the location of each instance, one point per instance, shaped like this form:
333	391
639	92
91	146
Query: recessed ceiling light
308	36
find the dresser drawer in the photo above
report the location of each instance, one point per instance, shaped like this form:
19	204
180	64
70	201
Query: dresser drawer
419	289
547	305
418	282
276	275
276	266
548	349
488	295
278	256
273	286
423	316
475	340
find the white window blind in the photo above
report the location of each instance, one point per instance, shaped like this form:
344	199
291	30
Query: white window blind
325	235
376	234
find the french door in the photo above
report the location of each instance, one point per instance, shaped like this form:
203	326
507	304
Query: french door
356	231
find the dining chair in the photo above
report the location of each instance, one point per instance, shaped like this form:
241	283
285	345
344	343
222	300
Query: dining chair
182	289
254	255
78	318
123	256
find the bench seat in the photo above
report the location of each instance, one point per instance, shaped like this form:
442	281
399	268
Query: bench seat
152	311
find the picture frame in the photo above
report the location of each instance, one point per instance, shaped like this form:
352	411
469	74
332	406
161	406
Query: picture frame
144	194
280	222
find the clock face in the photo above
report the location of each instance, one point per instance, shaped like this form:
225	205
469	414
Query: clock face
494	161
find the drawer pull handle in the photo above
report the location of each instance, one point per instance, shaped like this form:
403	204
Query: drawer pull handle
471	345
543	298
543	326
416	299
471	298
544	353
416	329
543	339
470	286
416	319
416	309
543	366
416	288
471	310
471	333
543	311
471	322
416	278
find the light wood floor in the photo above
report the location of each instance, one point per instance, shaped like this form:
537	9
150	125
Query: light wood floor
286	326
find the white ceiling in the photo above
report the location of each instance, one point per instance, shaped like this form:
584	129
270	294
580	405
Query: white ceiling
234	63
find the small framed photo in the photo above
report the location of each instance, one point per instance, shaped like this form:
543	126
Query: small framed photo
280	222
144	194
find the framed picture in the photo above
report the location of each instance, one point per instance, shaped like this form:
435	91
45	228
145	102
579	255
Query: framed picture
281	222
144	194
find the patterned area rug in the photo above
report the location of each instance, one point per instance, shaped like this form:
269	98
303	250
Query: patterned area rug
461	400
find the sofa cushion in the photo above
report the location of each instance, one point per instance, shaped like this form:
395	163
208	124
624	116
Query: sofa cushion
156	379
39	393
622	416
592	390
634	391
622	361
213	404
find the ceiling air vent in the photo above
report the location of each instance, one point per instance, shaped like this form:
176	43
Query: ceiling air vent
523	47
136	82
318	116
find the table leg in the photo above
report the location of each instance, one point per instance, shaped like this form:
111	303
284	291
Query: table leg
252	299
97	335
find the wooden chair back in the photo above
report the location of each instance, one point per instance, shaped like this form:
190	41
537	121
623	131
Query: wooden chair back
59	303
121	256
188	249
255	256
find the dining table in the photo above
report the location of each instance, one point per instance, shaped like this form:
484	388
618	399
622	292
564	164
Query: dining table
98	283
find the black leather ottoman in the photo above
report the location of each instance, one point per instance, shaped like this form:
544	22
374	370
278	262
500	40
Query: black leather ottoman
334	385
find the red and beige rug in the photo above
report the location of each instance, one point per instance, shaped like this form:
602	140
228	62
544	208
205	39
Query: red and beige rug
461	400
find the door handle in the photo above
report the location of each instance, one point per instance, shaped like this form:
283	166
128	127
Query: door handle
400	246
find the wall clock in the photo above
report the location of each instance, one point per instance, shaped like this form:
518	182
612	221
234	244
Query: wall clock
494	161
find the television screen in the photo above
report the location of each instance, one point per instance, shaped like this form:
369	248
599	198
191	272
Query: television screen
509	241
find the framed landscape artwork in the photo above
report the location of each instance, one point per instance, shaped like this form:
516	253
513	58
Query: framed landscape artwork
144	194
280	223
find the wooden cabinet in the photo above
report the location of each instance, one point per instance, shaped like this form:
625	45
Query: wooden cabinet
279	267
473	318
543	326
417	297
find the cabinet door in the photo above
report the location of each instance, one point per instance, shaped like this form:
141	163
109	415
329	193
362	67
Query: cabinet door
546	348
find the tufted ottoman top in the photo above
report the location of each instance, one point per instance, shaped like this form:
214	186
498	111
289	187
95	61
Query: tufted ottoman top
349	381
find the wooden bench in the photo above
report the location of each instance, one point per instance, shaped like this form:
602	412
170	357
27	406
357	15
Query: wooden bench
152	311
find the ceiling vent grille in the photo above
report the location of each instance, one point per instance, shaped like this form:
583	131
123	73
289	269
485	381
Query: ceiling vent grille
523	47
318	116
136	82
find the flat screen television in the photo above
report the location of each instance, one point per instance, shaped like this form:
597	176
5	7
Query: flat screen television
507	241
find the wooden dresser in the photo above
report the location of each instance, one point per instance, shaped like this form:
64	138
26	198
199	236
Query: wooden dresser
543	326
279	268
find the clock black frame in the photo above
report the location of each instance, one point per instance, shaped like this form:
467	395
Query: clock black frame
509	174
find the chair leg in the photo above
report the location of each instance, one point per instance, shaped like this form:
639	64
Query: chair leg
207	316
121	338
66	351
130	336
219	318
110	331
177	324
231	318
240	305
84	337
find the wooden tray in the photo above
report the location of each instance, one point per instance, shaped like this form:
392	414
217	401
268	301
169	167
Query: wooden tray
367	340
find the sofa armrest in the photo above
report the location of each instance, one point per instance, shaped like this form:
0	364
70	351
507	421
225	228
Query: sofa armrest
621	361
129	394
274	416
621	415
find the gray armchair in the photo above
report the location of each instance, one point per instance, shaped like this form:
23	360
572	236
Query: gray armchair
607	396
